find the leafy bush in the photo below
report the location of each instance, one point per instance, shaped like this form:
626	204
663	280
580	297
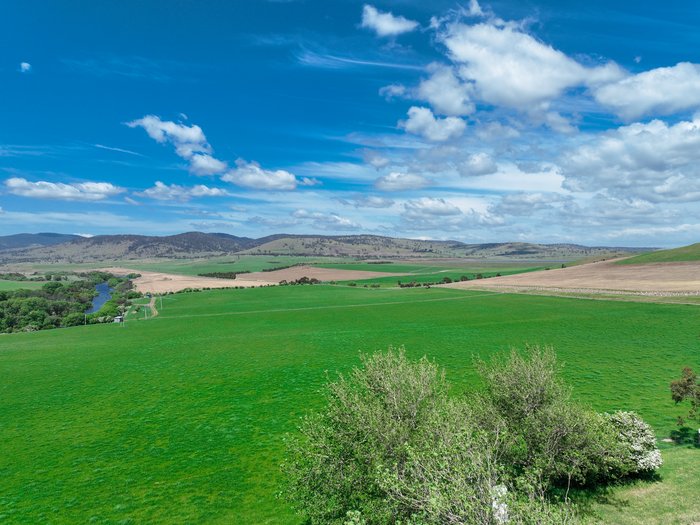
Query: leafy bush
392	447
370	417
639	442
551	441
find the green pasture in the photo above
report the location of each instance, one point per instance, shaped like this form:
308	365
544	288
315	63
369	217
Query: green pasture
685	253
182	418
17	285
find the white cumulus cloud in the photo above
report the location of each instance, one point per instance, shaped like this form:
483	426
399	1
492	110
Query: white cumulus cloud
654	161
189	141
512	68
660	91
252	175
421	121
399	181
477	164
25	67
206	165
386	24
81	191
175	192
446	93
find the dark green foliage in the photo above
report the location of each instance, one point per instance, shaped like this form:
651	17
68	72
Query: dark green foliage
302	280
687	388
221	275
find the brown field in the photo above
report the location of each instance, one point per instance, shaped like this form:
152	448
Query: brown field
158	282
682	278
322	274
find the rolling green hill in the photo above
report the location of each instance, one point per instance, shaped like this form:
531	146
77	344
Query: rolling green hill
683	254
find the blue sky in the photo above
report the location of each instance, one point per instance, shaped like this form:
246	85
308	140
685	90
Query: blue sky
543	121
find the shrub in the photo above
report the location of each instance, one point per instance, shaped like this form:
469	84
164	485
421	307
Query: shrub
369	419
642	456
551	441
390	446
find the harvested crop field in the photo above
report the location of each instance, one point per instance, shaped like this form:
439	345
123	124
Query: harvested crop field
682	278
312	272
157	282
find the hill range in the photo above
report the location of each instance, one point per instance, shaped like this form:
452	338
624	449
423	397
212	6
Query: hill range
58	248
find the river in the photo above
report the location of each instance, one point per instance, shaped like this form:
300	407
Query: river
104	294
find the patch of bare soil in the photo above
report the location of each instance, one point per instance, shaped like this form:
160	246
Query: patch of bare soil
312	272
157	282
656	279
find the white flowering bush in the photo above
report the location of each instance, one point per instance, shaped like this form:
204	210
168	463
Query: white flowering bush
639	441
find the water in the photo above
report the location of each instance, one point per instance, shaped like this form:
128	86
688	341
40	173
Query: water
104	294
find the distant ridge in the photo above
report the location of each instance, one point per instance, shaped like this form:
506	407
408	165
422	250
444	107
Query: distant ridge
75	249
30	240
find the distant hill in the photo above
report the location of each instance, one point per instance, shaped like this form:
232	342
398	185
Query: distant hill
125	247
32	240
200	245
685	253
369	246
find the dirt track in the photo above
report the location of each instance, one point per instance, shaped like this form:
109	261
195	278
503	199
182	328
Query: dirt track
158	282
681	278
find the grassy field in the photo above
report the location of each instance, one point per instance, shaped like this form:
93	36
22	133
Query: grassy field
663	502
685	253
16	285
182	418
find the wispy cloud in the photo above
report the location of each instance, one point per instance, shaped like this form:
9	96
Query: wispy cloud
310	58
120	150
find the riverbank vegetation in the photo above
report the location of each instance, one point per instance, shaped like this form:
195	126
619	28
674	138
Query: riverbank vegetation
63	302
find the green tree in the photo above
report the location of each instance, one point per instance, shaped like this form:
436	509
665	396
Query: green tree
687	388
